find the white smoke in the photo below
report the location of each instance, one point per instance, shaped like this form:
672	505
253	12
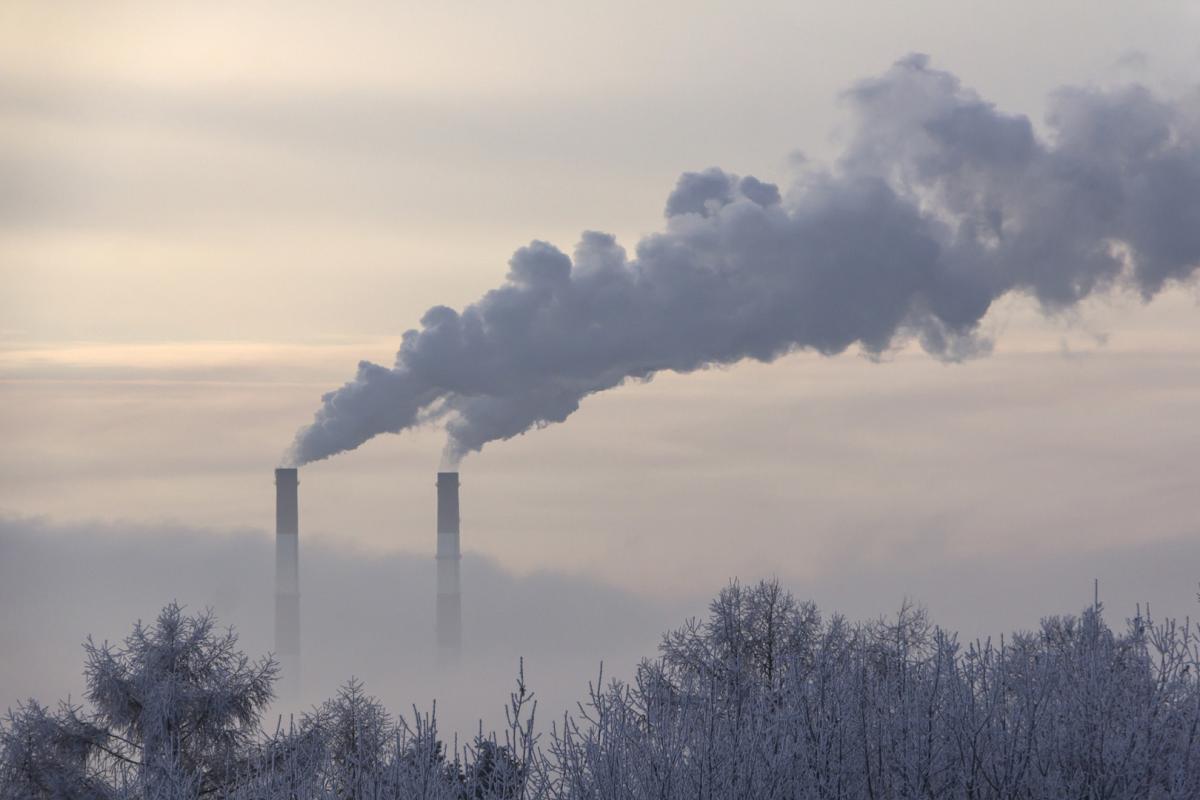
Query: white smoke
939	205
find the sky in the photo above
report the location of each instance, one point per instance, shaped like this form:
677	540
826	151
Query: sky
209	215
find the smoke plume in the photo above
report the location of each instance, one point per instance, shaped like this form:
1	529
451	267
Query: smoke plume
939	205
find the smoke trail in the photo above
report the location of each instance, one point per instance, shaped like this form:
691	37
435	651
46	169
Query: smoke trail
939	205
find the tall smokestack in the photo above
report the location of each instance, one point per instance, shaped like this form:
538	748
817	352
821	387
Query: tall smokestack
287	580
449	601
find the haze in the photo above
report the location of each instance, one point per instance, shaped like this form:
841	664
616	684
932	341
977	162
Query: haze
210	216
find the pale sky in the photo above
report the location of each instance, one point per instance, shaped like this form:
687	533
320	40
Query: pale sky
209	213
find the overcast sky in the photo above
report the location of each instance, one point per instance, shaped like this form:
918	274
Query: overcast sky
209	214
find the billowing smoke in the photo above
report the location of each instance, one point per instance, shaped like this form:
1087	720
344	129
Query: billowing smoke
938	206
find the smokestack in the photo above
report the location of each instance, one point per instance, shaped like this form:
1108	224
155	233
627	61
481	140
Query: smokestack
449	601
287	580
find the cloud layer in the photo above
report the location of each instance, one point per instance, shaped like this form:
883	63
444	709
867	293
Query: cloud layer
363	615
939	205
371	616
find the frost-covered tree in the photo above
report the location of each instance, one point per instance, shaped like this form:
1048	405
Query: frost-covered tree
179	701
47	756
764	698
358	735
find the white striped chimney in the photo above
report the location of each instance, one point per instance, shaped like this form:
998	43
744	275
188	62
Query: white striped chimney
287	580
449	599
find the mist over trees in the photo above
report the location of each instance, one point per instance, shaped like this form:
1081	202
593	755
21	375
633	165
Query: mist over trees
763	698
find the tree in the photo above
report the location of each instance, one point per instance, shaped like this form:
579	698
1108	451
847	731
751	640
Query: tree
357	733
763	699
179	701
494	773
48	756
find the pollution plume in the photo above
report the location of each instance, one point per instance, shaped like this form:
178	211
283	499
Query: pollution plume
938	205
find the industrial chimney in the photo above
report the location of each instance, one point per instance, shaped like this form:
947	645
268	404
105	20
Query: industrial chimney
287	580
449	601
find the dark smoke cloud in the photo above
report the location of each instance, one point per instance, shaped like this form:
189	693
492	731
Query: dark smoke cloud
939	205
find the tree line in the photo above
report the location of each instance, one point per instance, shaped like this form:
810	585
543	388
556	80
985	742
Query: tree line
763	698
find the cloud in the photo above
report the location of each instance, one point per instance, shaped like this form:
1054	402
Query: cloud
371	616
363	615
939	205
